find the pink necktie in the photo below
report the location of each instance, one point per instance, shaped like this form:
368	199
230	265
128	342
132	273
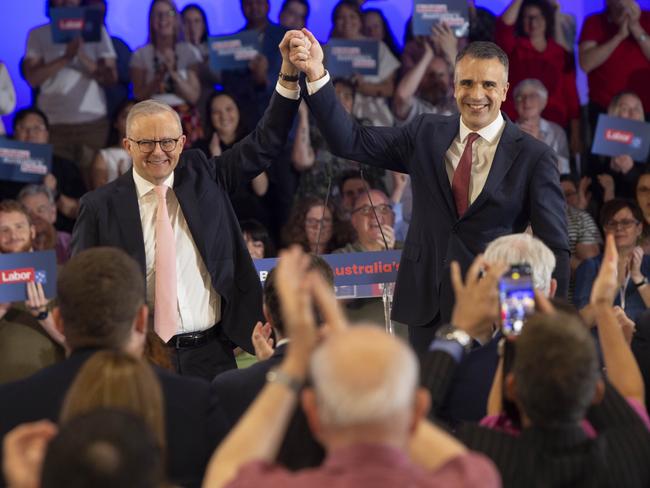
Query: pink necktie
460	181
165	308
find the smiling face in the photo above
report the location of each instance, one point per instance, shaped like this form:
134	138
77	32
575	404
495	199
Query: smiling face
529	103
629	106
373	26
625	228
534	23
32	129
16	233
314	219
347	23
163	19
364	221
293	15
480	87
224	115
643	195
157	165
39	205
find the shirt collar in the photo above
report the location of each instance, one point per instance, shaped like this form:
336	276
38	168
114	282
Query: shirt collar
142	186
490	132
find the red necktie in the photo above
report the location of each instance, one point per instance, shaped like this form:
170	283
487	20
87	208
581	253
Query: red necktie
165	307
460	181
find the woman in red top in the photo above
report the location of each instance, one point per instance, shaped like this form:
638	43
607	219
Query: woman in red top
525	32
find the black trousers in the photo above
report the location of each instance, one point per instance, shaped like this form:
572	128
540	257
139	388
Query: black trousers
207	360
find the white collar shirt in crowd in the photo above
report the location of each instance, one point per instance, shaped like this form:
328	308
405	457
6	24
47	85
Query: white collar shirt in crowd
199	305
483	152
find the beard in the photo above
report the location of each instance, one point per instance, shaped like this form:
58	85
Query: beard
25	247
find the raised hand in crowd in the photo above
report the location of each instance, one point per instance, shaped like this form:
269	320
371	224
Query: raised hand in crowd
444	42
262	341
622	164
606	182
24	451
584	195
38	306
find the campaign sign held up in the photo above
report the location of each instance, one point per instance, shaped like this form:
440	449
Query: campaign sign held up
68	23
348	57
427	13
24	162
233	52
18	269
616	136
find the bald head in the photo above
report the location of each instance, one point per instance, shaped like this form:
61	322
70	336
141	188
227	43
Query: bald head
363	376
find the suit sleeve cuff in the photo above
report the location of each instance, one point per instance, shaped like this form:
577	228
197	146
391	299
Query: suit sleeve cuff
453	348
286	93
314	86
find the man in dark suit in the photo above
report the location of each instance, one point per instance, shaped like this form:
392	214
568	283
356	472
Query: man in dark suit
100	306
202	267
475	176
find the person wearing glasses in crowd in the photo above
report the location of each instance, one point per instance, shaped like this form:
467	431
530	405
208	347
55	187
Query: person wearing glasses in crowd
623	219
201	284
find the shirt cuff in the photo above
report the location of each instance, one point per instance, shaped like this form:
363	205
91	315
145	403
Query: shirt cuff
453	348
287	93
314	86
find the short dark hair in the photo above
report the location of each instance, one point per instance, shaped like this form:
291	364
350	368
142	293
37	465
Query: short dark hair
271	299
199	9
611	208
100	291
24	112
258	233
103	449
353	174
8	206
305	3
547	10
484	50
556	369
347	82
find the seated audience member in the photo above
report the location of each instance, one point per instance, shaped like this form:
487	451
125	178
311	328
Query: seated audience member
7	95
555	385
294	13
624	171
427	86
166	68
363	405
374	228
117	380
101	306
65	75
371	91
315	227
375	26
530	97
115	90
225	128
239	388
624	220
102	449
258	240
614	52
526	32
112	161
40	203
65	180
643	201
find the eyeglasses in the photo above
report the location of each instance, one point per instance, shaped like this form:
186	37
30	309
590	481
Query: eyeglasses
623	224
163	15
312	222
366	210
527	96
147	145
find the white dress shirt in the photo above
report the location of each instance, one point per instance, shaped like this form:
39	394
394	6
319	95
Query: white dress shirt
199	305
483	152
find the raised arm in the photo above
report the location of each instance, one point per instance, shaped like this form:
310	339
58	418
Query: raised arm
408	85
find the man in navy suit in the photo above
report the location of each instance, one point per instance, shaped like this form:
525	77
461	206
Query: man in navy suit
475	176
218	295
101	305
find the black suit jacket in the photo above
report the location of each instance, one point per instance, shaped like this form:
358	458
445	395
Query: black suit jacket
237	389
193	419
523	186
109	216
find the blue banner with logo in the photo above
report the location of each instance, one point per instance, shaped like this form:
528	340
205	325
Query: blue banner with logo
616	136
427	13
24	162
68	23
18	269
233	52
356	274
348	57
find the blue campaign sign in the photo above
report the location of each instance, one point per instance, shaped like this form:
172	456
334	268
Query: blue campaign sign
356	275
616	136
427	13
349	57
17	269
233	52
24	162
68	23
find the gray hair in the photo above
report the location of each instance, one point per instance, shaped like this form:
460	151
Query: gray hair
352	396
30	190
150	107
524	248
533	83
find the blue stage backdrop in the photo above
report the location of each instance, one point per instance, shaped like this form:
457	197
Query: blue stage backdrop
128	19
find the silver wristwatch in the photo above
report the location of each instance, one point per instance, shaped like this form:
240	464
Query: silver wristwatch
450	333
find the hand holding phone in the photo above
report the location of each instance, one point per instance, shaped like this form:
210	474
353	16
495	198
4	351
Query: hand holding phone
516	298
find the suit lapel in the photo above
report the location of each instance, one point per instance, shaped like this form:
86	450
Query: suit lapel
505	156
444	136
188	200
125	202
